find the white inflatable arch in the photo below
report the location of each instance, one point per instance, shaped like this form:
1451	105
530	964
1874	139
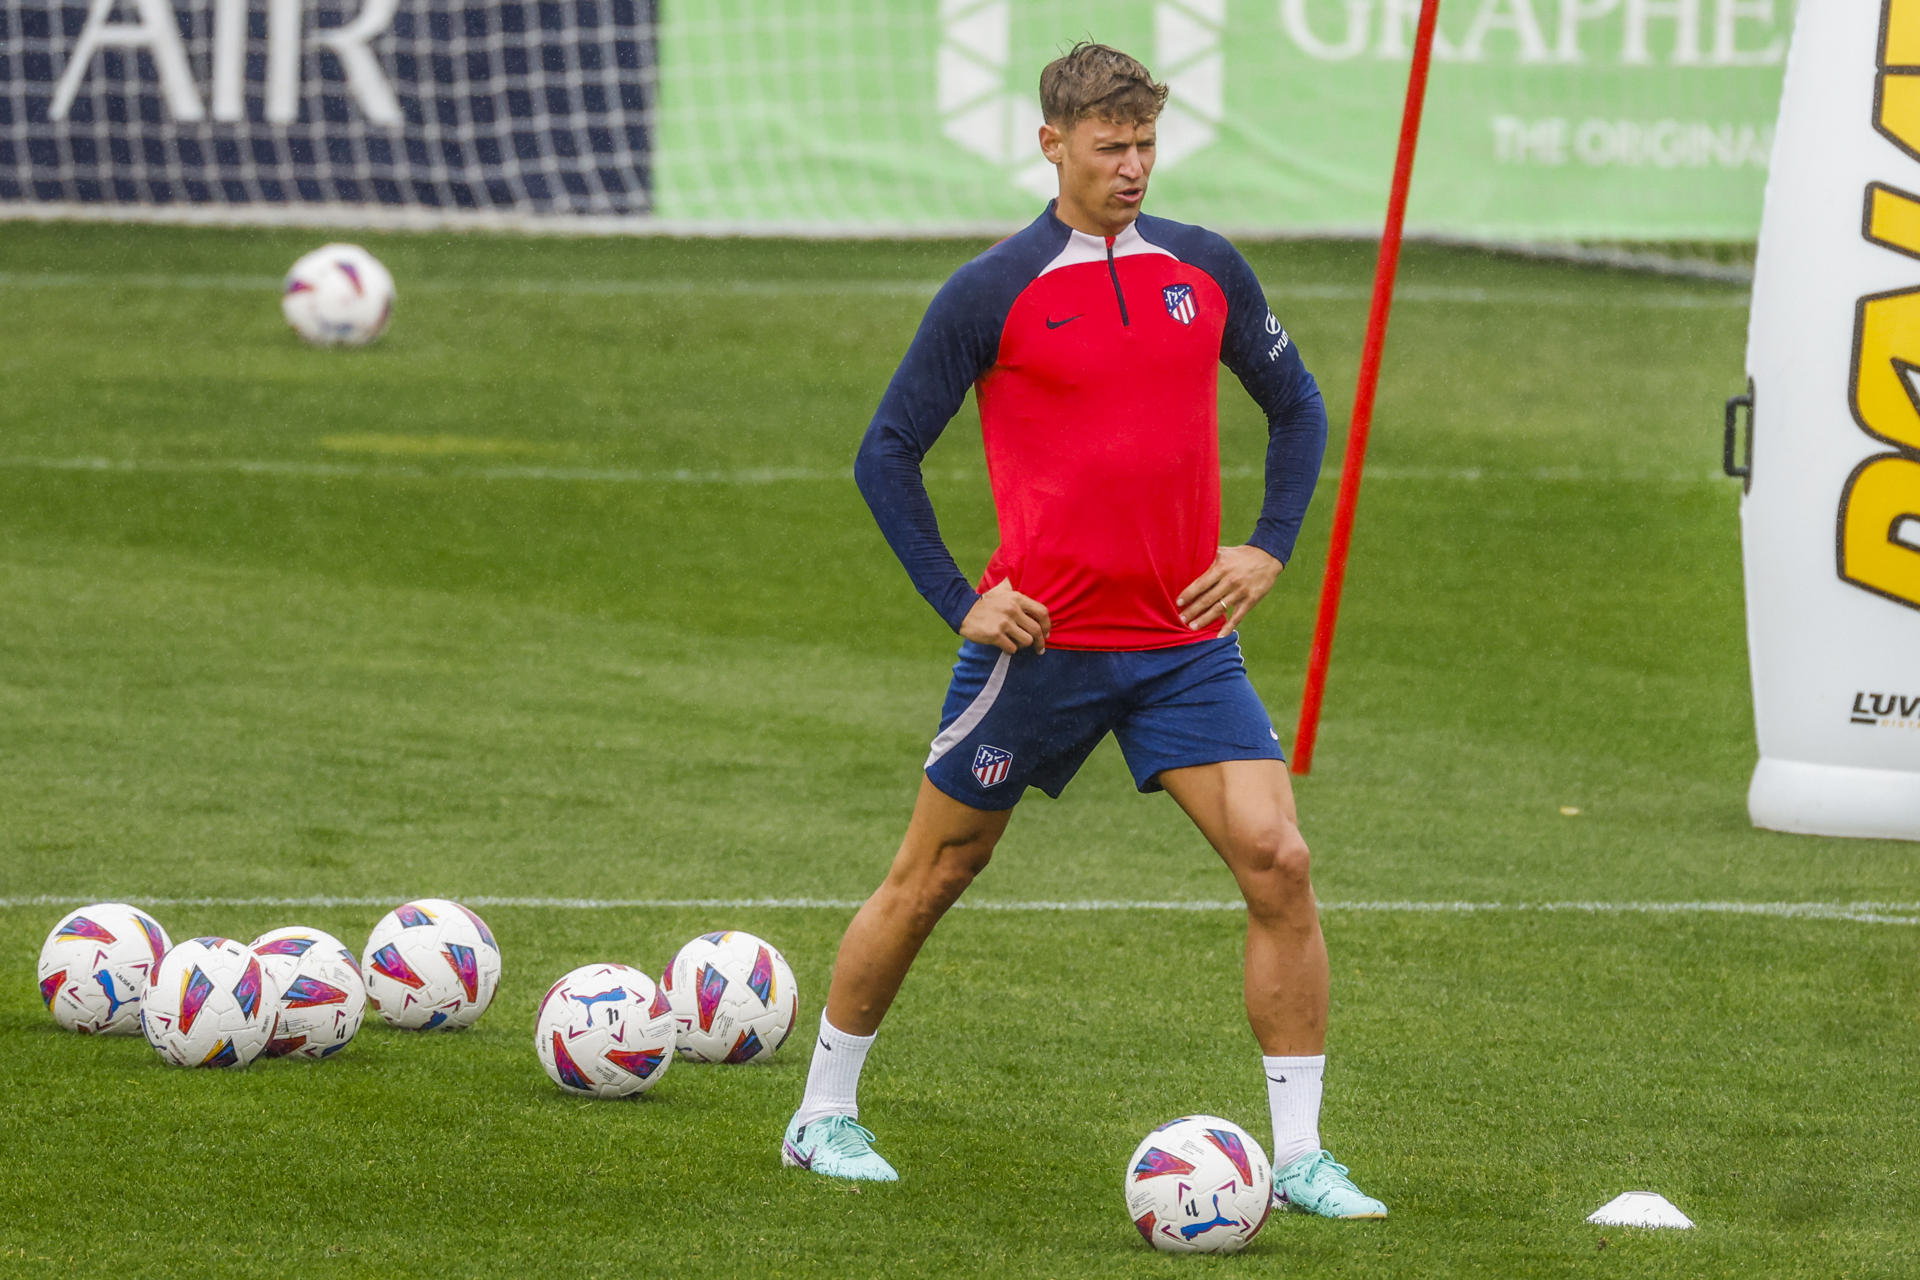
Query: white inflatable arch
1831	517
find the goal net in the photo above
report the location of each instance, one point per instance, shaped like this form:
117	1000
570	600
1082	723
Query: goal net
1565	122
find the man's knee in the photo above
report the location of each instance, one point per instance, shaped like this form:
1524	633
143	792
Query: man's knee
934	881
1273	865
958	861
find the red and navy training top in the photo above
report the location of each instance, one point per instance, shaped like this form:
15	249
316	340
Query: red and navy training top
1095	365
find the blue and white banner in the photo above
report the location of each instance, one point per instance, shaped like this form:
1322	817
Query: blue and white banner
431	105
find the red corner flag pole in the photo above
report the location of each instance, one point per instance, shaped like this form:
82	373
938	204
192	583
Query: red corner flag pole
1363	397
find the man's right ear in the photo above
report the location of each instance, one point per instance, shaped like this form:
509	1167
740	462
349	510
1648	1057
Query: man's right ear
1051	143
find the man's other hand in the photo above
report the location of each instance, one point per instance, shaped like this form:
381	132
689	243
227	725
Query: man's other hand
1007	620
1236	581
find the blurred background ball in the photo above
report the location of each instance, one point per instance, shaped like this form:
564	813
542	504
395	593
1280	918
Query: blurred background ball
210	1004
733	997
338	296
322	999
431	964
1199	1184
605	1030
95	965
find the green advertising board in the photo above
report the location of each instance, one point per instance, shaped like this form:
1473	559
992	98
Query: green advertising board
1546	119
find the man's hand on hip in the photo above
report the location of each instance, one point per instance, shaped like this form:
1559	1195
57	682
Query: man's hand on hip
1007	620
1236	581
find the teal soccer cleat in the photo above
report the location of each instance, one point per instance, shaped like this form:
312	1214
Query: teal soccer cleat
1314	1183
837	1147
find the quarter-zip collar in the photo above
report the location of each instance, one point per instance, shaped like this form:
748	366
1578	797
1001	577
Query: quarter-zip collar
1113	273
1079	247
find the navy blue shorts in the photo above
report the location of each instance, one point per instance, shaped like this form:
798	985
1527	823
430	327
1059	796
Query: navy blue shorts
1014	721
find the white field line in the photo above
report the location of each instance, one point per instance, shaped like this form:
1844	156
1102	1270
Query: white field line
1901	913
1655	300
751	476
564	288
453	470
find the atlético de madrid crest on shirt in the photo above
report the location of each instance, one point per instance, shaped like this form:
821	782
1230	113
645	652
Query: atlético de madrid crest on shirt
1179	299
990	765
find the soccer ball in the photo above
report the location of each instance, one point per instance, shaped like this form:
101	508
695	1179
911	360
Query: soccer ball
95	965
733	998
605	1030
1199	1184
429	964
210	1003
322	999
338	296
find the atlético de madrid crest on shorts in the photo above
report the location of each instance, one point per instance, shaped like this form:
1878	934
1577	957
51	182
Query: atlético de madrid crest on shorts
1179	299
990	765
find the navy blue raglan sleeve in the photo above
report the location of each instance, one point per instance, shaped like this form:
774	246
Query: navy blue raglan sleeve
958	340
1263	356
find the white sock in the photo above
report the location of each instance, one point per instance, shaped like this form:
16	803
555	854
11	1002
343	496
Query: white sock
833	1081
1293	1090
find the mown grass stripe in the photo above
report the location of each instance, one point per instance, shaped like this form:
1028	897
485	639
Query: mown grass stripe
1904	913
1292	292
749	476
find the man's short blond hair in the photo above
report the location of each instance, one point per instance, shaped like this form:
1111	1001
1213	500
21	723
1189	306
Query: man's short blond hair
1094	82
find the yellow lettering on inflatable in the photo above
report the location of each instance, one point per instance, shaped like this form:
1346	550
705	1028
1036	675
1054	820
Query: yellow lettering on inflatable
1887	346
1883	495
1900	110
1879	536
1900	35
1897	104
1893	219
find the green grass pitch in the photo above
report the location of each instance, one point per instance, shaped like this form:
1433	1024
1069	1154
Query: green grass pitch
563	591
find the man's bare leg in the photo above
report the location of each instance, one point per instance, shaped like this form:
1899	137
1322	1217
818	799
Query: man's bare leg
1246	811
947	844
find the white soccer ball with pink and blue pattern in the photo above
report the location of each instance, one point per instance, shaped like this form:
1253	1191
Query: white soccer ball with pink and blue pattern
95	965
338	296
431	965
605	1030
209	1003
733	998
322	998
1199	1184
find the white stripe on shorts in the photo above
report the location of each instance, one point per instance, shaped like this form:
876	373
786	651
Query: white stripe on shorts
964	723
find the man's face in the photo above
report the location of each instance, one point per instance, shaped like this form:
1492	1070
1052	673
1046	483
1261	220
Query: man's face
1103	172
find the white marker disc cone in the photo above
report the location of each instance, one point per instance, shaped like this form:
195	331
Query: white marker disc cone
1639	1209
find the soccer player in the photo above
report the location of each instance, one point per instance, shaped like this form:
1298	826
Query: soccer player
1092	340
